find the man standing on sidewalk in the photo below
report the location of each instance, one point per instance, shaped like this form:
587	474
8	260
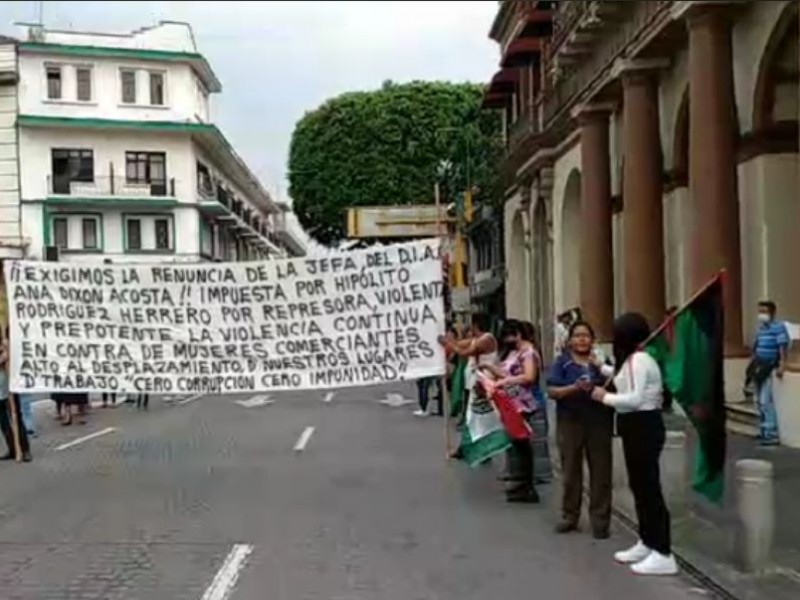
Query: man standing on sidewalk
769	356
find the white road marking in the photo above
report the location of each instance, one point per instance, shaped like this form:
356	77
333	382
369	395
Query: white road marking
395	400
190	399
227	575
86	438
255	402
302	441
328	397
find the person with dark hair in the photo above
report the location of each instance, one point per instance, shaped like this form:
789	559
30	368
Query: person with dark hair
769	357
637	401
517	373
583	429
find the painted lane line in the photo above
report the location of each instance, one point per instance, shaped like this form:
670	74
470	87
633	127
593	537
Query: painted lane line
86	438
255	402
328	397
302	441
190	399
224	581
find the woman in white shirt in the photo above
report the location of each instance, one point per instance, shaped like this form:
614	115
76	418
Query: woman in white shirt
637	402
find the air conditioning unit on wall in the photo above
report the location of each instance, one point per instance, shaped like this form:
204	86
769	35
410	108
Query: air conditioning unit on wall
51	253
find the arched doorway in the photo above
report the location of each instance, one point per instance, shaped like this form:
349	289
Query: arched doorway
517	278
570	246
775	171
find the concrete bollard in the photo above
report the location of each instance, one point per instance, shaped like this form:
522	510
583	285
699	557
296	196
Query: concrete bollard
755	507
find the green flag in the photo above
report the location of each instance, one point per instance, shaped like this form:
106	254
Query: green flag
689	351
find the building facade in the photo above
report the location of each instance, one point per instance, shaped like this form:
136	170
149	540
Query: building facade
119	159
649	145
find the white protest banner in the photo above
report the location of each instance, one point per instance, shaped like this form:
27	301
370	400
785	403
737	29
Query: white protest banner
348	319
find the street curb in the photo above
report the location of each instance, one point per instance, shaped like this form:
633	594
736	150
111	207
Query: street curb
685	564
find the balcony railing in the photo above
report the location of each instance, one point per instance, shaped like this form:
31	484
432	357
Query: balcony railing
110	186
619	24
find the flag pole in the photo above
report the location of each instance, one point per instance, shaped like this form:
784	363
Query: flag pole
671	319
443	379
668	321
12	408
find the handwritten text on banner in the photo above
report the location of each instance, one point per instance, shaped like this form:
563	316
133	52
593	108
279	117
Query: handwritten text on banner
356	318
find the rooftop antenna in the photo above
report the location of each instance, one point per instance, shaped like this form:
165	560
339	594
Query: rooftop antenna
41	12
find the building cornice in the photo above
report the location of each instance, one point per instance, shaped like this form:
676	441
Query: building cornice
197	61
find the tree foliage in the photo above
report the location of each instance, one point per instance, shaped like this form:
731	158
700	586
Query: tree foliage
386	147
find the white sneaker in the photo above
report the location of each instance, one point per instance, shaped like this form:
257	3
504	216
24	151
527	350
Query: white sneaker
632	555
421	413
656	564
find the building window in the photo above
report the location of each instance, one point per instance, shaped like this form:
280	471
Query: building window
134	234
54	82
60	233
128	78
163	234
83	76
89	226
70	165
147	168
149	232
204	183
156	88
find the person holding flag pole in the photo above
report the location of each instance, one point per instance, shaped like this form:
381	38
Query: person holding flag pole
638	403
685	356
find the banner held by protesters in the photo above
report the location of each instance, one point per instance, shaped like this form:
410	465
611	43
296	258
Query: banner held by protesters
348	319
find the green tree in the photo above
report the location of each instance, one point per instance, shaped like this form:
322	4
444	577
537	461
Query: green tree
385	147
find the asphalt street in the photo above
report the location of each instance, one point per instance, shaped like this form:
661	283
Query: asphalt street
302	496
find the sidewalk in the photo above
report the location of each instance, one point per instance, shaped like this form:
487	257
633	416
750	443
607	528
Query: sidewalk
705	534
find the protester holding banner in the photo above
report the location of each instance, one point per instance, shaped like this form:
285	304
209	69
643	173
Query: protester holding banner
479	348
638	402
584	429
10	416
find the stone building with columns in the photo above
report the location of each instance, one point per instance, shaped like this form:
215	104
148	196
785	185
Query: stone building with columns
649	145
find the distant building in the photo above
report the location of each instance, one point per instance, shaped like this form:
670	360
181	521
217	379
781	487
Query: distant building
649	145
11	244
486	262
119	158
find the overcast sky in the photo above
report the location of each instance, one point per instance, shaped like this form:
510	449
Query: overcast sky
277	60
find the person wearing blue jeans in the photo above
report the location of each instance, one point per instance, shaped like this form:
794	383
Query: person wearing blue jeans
424	392
26	403
769	357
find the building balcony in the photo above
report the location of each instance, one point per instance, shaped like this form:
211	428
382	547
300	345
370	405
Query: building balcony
111	191
588	36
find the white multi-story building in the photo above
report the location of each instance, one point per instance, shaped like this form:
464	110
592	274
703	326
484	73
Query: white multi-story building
118	158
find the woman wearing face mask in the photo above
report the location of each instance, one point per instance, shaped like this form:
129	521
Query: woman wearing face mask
583	429
517	374
638	404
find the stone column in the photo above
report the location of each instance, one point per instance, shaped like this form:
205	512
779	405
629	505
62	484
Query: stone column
642	195
597	260
712	163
